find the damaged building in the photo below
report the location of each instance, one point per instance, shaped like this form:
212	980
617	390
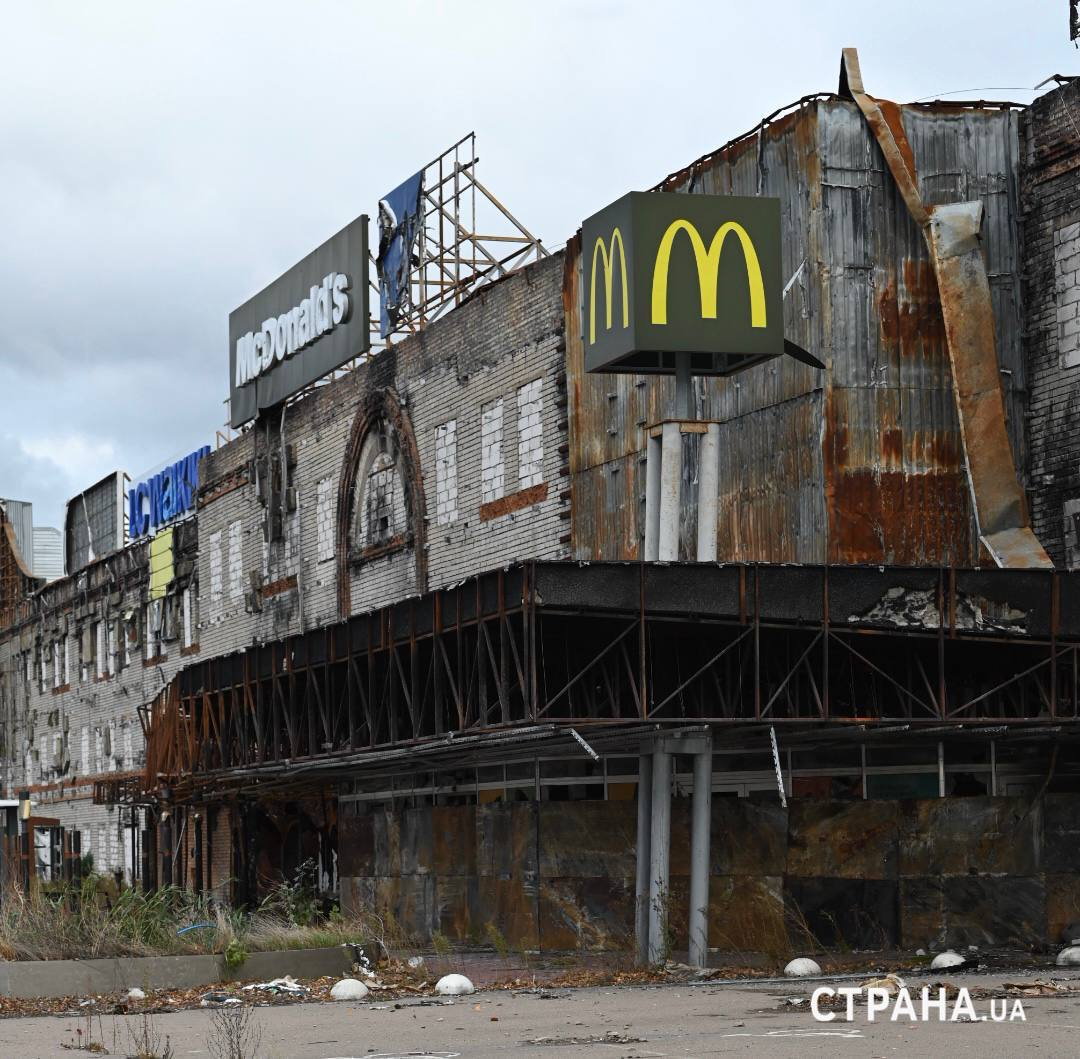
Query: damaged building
723	656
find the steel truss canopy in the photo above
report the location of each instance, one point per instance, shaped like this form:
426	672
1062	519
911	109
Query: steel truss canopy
538	649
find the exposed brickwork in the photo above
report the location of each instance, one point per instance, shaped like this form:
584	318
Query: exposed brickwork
1050	188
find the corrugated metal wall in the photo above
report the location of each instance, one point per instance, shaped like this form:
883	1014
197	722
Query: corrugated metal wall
20	513
862	463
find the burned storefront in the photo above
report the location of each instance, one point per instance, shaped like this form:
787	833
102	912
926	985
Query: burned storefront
531	618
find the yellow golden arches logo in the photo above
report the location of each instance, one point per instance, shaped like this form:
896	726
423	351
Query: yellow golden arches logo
708	267
607	257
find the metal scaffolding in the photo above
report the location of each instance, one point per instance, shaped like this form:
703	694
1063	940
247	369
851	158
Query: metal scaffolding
611	645
466	238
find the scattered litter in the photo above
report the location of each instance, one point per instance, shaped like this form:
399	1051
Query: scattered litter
195	926
802	968
605	1038
1069	957
454	985
920	952
287	986
795	1001
891	983
415	962
217	998
946	959
348	989
135	993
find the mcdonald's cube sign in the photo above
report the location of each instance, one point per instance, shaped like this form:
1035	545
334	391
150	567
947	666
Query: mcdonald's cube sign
664	274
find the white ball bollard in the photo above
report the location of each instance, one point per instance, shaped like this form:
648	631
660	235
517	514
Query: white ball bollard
1069	957
802	968
348	989
454	985
944	960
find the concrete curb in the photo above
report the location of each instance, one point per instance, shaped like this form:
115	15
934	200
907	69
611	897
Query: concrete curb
26	979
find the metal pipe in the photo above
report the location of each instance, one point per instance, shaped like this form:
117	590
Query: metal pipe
941	769
670	485
659	857
653	452
708	494
642	857
701	821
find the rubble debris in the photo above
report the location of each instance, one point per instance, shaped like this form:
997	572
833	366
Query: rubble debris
1069	957
454	985
944	960
348	989
1041	987
802	967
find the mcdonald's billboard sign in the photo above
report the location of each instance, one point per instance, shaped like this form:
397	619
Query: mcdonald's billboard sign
666	273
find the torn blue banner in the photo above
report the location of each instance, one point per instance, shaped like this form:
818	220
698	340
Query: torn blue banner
399	221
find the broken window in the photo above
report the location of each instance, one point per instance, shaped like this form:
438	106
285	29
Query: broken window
530	435
446	472
491	454
379	518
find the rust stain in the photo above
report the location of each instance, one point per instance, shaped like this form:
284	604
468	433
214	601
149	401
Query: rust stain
910	318
514	502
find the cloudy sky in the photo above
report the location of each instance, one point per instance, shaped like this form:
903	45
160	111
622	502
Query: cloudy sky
161	162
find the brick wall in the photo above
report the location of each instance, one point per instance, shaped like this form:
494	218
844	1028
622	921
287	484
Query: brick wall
504	345
72	680
1050	189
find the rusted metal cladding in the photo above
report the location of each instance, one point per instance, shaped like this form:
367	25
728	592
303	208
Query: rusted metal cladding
862	463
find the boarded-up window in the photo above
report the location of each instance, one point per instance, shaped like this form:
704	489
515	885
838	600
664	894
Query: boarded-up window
324	519
1067	292
492	477
187	617
101	650
236	562
446	472
217	585
530	435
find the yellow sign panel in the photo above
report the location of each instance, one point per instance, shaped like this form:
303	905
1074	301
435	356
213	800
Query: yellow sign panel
161	563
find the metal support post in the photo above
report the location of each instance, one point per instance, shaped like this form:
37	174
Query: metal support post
653	452
701	821
708	494
670	485
642	861
659	857
684	387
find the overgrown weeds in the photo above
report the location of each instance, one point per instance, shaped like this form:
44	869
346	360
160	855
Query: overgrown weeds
235	1033
95	920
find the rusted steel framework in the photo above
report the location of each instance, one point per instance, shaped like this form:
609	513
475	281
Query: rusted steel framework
615	643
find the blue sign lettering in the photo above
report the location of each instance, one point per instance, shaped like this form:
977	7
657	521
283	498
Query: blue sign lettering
168	495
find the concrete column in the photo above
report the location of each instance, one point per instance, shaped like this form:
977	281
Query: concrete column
642	861
659	856
670	485
708	494
653	451
700	827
